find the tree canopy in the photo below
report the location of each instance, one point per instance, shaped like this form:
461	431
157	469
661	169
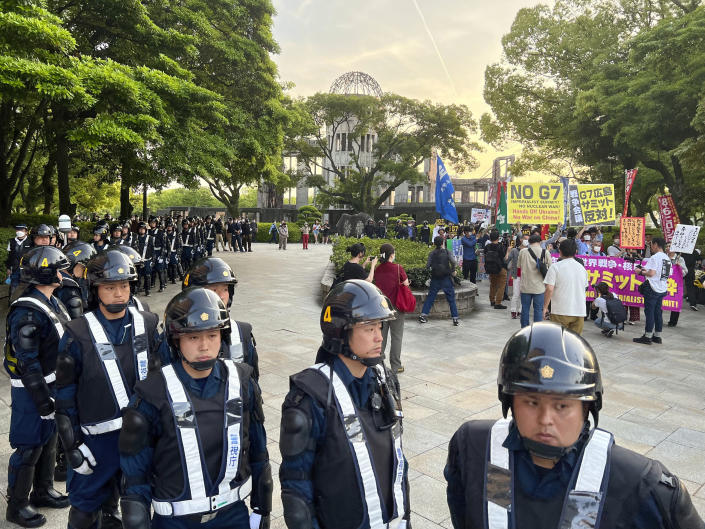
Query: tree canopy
591	88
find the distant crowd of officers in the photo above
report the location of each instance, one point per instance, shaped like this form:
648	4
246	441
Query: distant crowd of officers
167	420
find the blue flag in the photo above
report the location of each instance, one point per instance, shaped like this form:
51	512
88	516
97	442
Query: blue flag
445	203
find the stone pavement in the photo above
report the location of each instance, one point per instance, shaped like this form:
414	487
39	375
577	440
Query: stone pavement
654	397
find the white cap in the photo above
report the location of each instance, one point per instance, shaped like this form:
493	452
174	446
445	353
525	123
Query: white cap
64	223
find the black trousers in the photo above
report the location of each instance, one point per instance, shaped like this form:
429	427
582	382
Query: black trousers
470	266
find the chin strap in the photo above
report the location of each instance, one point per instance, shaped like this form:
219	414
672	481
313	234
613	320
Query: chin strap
204	365
114	308
554	453
336	346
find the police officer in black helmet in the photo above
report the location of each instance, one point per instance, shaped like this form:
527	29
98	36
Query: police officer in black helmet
193	443
35	325
137	260
100	236
546	467
343	465
144	244
215	274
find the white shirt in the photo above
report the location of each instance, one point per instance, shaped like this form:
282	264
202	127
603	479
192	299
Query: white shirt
601	303
613	251
569	279
662	265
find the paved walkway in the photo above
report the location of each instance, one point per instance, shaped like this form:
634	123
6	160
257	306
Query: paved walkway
654	397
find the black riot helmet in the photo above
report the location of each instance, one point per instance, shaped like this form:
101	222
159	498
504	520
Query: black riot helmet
109	266
210	271
548	358
192	310
79	252
116	227
130	252
347	304
142	225
43	230
39	265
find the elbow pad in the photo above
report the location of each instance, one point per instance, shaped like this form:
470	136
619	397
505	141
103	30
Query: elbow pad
29	337
297	513
65	370
135	514
38	390
65	430
265	486
295	435
134	435
75	307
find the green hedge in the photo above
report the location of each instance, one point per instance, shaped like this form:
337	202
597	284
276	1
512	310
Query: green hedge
263	232
6	235
409	254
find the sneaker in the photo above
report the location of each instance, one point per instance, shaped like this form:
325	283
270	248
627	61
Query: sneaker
670	324
500	307
514	315
456	322
656	339
400	369
423	319
693	307
642	339
609	333
630	323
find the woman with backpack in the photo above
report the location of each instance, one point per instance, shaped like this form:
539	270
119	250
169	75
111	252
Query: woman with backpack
442	265
612	314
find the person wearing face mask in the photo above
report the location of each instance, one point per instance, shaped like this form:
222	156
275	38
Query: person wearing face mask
676	259
389	277
343	463
547	466
534	263
16	248
35	325
614	250
101	357
193	443
584	244
514	273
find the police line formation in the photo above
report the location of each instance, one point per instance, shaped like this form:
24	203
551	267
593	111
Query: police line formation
169	425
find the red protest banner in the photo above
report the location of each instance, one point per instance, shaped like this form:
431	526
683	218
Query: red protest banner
631	232
629	177
669	216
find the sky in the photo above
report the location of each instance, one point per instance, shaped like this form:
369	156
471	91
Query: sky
423	49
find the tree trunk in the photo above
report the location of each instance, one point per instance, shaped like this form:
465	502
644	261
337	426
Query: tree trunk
48	183
125	205
145	209
61	150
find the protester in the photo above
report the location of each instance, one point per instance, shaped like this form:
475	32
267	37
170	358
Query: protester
353	269
496	267
442	265
469	242
654	289
514	275
603	302
389	277
566	282
531	258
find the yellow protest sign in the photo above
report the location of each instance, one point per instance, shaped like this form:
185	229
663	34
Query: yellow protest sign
592	204
534	203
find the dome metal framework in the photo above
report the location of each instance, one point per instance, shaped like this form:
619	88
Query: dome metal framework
356	83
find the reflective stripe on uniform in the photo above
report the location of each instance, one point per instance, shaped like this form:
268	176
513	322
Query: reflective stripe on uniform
106	352
47	312
146	244
237	347
361	453
584	501
17	382
138	303
187	427
102	427
140	343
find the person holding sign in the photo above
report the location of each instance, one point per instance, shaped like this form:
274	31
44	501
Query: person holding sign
676	259
656	272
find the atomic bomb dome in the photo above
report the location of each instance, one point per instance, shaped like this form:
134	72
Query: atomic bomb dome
356	83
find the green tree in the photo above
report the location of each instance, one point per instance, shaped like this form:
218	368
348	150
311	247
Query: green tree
180	196
405	132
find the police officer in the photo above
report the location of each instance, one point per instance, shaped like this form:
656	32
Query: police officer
187	241
101	357
35	325
16	248
73	234
116	234
73	292
172	243
546	467
209	234
144	245
342	460
215	274
126	235
158	262
139	263
193	441
100	236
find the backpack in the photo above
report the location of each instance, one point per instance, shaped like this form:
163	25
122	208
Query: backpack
440	264
493	262
616	312
540	264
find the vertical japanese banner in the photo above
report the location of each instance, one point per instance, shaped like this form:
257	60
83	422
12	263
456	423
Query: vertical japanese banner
502	223
632	231
669	216
592	204
629	177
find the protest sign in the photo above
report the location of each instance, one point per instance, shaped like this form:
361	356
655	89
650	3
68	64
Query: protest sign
629	177
534	203
592	204
669	216
684	238
631	232
624	283
479	215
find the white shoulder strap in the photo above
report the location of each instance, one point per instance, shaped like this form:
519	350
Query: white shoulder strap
233	416
498	515
106	351
140	342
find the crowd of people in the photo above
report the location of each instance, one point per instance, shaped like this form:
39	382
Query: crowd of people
168	423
